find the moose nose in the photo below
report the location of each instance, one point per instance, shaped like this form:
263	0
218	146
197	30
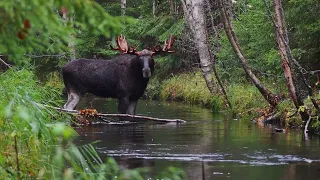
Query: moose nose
146	72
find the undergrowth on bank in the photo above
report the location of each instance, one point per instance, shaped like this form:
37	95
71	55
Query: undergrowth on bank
191	88
37	143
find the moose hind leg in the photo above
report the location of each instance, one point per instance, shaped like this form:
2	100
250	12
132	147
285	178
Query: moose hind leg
132	107
123	105
73	99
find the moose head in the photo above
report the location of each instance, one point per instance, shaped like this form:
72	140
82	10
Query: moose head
146	55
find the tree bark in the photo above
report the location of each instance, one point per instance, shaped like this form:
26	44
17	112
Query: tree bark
71	44
154	8
171	7
266	93
123	7
283	52
287	58
193	10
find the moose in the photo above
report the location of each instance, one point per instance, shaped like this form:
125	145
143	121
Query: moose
124	77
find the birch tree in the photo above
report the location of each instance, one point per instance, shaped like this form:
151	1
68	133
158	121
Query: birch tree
194	15
123	7
71	43
195	18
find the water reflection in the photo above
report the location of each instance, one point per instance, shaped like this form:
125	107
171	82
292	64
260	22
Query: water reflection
229	148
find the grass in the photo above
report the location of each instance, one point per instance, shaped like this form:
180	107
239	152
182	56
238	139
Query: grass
191	88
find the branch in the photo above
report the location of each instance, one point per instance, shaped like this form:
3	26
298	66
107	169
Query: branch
132	117
6	64
306	127
314	72
45	55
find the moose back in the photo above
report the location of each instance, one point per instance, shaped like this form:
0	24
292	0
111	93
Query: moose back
124	77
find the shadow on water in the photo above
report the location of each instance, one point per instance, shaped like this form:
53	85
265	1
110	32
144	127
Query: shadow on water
230	149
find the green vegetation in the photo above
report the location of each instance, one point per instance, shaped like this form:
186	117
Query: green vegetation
36	142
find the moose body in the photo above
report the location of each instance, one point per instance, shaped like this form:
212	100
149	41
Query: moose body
124	77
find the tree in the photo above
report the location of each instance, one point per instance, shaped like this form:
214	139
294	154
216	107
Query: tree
194	13
266	93
288	62
123	7
195	19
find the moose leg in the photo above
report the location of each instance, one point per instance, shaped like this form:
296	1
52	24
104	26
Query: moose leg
73	99
132	107
123	105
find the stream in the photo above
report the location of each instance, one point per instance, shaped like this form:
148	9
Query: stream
224	147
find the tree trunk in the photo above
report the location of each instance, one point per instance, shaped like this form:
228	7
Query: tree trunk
71	44
154	8
266	93
193	10
171	7
283	52
287	58
123	7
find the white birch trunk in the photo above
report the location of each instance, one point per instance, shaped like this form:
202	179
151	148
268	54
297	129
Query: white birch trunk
71	43
154	8
194	14
123	7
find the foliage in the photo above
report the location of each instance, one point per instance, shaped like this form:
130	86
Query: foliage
304	31
33	27
256	36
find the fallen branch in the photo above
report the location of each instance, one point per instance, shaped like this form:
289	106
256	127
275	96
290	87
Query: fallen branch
132	117
306	127
3	62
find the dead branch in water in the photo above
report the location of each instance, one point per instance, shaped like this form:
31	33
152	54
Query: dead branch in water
128	116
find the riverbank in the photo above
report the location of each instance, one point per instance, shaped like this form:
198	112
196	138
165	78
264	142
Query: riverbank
246	100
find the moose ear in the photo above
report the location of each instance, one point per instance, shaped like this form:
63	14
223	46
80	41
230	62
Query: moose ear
138	53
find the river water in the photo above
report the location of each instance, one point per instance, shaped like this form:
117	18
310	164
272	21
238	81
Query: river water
224	147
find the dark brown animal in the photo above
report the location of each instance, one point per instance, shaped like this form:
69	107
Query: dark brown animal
124	77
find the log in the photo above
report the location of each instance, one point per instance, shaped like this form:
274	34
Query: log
128	116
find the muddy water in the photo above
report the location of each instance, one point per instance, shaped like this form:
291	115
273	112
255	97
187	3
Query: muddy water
227	148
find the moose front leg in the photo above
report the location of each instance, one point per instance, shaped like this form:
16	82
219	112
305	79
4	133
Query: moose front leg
73	99
123	105
132	107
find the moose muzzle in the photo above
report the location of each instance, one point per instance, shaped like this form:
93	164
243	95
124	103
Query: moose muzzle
146	72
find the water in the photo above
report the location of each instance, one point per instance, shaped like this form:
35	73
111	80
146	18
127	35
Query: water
228	148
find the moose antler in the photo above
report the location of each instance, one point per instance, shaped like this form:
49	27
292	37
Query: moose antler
166	47
122	44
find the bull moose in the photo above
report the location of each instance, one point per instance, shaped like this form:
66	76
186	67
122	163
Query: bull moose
124	77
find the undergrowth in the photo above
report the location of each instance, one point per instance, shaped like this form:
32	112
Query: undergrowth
37	143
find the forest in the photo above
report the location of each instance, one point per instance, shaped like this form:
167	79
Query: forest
255	60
